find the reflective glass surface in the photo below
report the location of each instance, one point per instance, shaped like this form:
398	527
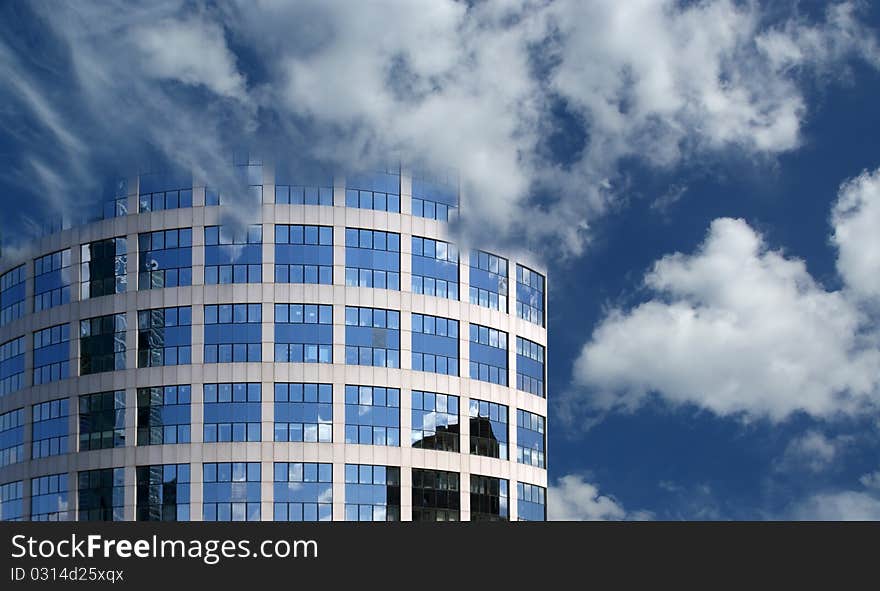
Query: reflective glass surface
372	415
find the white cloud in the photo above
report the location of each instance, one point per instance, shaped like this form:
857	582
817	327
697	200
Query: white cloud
871	480
856	219
573	499
735	328
838	506
812	451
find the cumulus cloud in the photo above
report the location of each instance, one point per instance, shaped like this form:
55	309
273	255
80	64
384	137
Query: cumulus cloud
474	87
571	498
812	451
838	506
856	219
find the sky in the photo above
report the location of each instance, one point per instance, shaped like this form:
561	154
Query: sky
703	178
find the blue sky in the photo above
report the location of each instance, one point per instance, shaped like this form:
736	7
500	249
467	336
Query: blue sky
737	379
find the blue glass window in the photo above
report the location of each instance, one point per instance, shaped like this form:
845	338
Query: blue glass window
292	190
102	420
164	415
101	494
50	428
488	362
435	344
374	190
489	500
434	268
12	295
531	502
165	336
303	491
52	280
530	436
488	276
52	354
435	422
529	295
233	333
372	259
49	498
434	196
11	366
304	412
372	415
12	437
165	259
372	337
488	422
164	190
303	333
529	367
248	176
102	344
372	493
231	491
232	412
303	254
11	501
163	492
233	255
103	267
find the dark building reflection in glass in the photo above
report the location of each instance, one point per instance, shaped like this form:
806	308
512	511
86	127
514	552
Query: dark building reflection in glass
489	500
103	268
163	492
163	415
435	495
435	422
101	494
102	420
102	344
372	493
488	423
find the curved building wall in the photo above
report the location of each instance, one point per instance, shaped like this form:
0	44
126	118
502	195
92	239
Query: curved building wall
104	472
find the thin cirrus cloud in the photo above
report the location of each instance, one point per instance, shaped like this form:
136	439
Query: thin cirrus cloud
478	88
742	330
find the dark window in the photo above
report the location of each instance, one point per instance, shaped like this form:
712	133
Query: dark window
435	495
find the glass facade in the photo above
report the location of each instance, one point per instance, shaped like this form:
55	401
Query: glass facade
531	502
488	423
434	196
435	495
290	189
52	280
303	254
303	333
12	284
372	415
51	429
372	493
304	412
231	491
163	492
488	362
102	344
372	337
12	501
52	354
49	498
158	191
488	277
489	499
232	412
435	344
102	420
233	333
103	268
434	268
164	415
11	366
529	295
530	439
165	259
303	491
372	258
165	336
435	421
374	190
11	437
529	367
101	494
233	255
